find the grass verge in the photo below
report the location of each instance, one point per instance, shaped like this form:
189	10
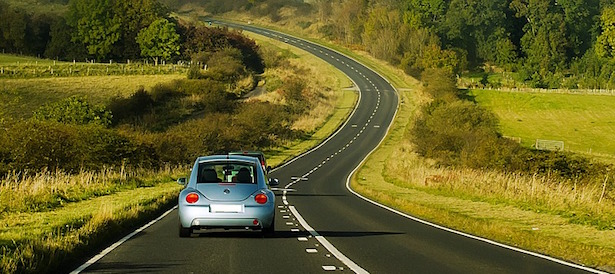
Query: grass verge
48	241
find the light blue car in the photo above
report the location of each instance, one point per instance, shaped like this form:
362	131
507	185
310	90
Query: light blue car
229	192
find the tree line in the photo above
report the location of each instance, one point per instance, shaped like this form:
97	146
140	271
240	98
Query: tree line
110	30
546	43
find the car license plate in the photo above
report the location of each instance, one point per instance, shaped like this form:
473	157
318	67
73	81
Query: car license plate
226	208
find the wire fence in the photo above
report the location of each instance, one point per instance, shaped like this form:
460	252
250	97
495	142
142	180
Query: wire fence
609	92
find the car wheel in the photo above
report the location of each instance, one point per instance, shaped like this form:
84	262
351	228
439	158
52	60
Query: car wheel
271	229
184	232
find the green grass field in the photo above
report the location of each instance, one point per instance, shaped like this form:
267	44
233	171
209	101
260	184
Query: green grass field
585	122
24	88
9	59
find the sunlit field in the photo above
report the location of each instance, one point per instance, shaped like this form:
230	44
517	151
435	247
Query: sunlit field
585	122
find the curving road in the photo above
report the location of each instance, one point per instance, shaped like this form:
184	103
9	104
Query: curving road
321	226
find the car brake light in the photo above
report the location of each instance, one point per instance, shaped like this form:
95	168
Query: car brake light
261	198
192	198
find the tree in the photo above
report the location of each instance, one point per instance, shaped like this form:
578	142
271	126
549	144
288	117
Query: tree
544	41
324	9
424	13
95	24
580	18
159	40
381	35
61	45
13	27
605	44
201	39
347	19
477	26
135	15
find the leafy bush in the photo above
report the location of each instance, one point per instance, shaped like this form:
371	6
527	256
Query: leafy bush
49	145
212	95
274	58
136	105
292	90
255	125
74	110
225	65
440	84
448	131
201	39
262	125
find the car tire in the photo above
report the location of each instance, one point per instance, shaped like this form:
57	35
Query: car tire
270	230
184	232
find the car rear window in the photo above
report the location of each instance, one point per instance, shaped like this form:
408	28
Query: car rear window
239	173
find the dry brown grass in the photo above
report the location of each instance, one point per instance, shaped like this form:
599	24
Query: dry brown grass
46	190
41	240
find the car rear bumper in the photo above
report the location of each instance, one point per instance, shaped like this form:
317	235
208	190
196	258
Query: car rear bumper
201	217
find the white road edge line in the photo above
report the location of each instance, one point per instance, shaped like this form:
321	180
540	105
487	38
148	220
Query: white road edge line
349	263
118	243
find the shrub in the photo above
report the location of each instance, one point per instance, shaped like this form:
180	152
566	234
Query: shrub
37	145
50	145
208	135
225	65
292	90
74	110
136	105
262	125
448	130
212	95
440	84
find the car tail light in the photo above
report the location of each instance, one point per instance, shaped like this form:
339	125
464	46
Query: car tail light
255	222
261	198
192	198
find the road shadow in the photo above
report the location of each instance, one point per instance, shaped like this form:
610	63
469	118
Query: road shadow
291	194
126	267
287	234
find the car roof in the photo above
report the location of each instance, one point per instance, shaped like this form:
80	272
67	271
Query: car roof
228	158
247	152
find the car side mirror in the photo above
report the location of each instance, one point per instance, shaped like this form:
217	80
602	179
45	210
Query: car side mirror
182	181
274	182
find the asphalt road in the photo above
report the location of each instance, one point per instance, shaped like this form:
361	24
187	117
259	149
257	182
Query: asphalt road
320	225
